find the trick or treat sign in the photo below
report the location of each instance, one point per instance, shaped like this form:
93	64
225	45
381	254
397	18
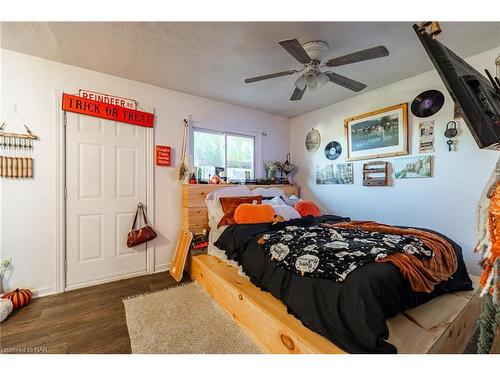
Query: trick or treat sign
112	112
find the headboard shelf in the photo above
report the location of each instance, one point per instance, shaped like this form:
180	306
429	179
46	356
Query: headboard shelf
194	210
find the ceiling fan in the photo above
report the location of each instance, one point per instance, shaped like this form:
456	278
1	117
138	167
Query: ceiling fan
311	54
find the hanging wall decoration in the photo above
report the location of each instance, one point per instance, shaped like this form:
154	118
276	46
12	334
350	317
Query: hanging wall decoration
333	150
335	174
450	133
414	167
377	134
84	106
16	150
375	173
427	103
426	136
313	140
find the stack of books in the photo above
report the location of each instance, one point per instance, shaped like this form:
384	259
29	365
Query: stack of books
199	244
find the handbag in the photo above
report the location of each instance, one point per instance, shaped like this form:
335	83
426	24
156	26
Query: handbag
138	236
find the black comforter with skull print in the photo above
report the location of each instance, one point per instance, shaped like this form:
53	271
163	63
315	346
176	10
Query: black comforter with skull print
333	253
351	313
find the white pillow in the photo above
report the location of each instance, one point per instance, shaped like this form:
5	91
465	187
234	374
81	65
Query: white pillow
276	201
292	200
287	212
214	207
270	192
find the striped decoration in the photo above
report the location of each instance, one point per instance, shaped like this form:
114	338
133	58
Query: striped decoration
19	297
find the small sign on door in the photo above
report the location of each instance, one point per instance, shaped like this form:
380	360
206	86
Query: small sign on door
163	156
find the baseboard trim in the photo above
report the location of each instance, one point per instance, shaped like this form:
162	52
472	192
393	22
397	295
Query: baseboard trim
105	280
42	292
162	267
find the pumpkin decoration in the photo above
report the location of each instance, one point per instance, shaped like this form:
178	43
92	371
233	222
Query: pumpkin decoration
19	297
307	208
254	213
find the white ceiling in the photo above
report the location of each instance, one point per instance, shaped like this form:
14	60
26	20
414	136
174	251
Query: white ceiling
212	59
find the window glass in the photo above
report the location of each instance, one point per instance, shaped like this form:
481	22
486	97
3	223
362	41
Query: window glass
240	152
208	152
232	152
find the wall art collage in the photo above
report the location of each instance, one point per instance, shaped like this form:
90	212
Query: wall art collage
381	134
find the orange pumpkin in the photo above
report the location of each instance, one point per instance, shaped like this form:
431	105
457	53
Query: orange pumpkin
254	213
19	297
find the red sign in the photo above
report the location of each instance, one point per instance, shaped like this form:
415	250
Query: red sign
73	103
163	156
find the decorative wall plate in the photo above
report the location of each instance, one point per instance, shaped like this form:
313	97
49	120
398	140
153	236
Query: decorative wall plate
313	140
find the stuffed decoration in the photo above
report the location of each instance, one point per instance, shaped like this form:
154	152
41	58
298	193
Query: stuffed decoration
488	231
19	297
307	208
229	205
5	308
215	180
254	214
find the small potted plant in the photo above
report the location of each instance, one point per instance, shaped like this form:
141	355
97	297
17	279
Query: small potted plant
5	265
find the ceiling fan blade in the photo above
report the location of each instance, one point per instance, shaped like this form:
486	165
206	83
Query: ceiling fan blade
295	49
366	54
345	82
269	76
298	93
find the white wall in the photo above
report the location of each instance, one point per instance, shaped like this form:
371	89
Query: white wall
445	202
28	207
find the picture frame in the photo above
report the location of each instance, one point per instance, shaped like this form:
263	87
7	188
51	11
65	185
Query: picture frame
378	134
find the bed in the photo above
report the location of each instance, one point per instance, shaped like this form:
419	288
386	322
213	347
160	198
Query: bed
281	312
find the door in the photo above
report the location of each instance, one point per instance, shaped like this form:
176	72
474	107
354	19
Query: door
105	179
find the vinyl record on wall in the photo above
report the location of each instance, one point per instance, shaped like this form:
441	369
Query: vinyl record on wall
427	103
333	150
313	140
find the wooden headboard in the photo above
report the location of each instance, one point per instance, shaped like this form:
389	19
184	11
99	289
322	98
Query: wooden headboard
194	210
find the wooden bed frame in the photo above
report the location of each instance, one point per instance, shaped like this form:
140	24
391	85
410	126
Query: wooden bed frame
442	325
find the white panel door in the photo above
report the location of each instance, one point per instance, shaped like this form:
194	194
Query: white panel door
105	179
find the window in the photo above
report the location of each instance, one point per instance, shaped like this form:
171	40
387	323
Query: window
215	151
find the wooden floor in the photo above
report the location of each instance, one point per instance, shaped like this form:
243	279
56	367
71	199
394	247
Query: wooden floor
89	320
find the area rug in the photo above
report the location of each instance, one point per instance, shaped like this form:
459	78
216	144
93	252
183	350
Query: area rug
183	320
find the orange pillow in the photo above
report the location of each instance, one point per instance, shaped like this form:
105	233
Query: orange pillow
254	213
306	208
229	204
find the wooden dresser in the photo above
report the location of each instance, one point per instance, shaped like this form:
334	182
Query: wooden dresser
194	210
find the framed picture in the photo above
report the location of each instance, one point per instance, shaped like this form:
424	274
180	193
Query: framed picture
414	167
341	173
378	134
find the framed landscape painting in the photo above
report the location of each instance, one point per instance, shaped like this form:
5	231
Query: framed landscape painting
378	134
414	167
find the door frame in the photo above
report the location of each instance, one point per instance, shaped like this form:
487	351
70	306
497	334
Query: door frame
60	207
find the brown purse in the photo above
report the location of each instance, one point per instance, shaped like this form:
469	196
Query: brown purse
138	236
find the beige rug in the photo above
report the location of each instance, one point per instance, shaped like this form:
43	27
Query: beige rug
183	320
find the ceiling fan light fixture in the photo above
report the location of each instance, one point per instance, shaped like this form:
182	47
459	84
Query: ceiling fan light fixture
310	78
321	79
300	83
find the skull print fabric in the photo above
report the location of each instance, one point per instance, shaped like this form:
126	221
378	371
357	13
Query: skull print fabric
332	253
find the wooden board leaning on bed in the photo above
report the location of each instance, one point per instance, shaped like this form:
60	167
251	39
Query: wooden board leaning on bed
194	210
442	325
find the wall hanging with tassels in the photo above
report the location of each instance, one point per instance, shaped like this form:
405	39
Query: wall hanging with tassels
183	168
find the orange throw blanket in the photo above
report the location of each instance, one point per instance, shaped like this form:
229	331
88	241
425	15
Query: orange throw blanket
423	275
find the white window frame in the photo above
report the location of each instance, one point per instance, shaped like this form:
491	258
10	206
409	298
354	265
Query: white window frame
217	129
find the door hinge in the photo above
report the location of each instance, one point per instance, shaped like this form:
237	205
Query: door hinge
65	193
65	265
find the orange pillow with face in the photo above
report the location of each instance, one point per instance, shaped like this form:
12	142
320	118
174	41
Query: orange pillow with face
307	208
